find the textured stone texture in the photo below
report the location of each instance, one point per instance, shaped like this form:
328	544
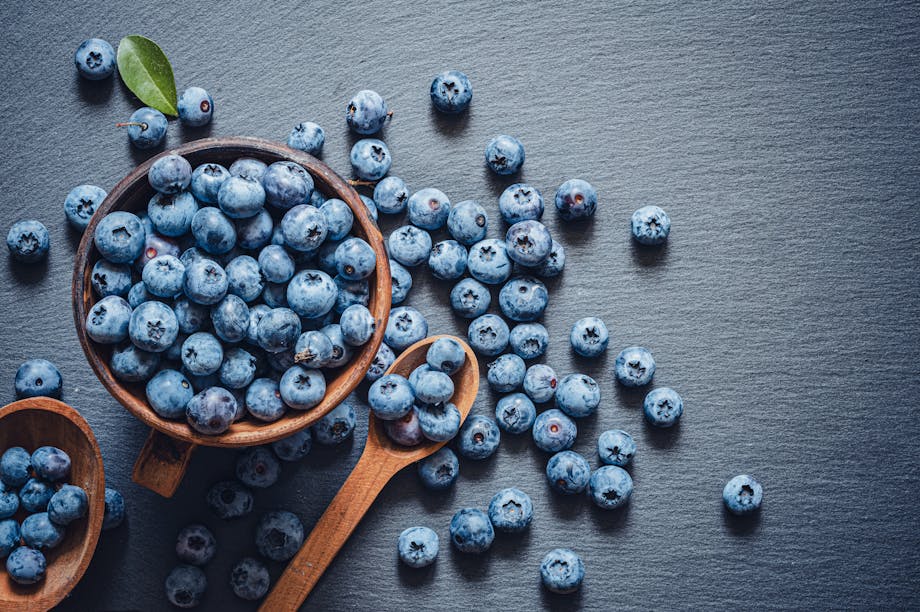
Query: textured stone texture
783	142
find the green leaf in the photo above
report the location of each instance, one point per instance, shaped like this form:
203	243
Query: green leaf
147	73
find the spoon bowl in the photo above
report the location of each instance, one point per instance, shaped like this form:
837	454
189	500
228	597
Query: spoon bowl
43	421
381	460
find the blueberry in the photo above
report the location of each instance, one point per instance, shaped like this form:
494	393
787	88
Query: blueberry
742	495
119	237
439	422
36	378
434	387
576	199
400	283
302	388
26	565
15	466
154	246
172	214
238	369
511	510
589	337
405	327
275	296
257	467
138	294
131	364
428	209
278	330
207	180
190	316
405	430
212	411
634	367
35	495
311	293
279	535
479	437
114	509
662	407
337	425
206	282
470	298
307	137
554	262
504	154
371	208
506	373
489	262
294	447
249	579
229	499
357	324
202	354
650	225
610	487
191	255
241	198
195	544
146	128
468	222
409	245
471	531
255	232
230	318
355	259
9	504
170	174
263	400
370	159
81	203
339	218
164	276
616	447
195	107
447	260
568	472
350	293
28	241
366	112
213	231
391	195
313	349
553	431
168	393
381	363
256	313
244	278
417	546
304	228
520	202
153	327
9	536
413	377
275	264
94	59
341	351
528	340
488	335
528	243
50	463
578	395
515	413
446	355
562	571
287	185
439	471
248	167
391	397
523	298
185	586
108	278
451	92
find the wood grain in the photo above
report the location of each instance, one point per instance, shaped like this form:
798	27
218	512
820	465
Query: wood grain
382	459
43	421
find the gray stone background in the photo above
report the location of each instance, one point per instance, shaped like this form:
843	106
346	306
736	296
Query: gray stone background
784	143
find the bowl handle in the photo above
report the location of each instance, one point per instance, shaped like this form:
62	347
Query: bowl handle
161	463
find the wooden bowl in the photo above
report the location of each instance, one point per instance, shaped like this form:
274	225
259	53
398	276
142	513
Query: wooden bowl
43	421
132	194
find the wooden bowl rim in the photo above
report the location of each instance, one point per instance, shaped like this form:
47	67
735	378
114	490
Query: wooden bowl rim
68	580
293	420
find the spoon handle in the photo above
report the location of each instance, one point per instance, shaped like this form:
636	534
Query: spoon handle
351	503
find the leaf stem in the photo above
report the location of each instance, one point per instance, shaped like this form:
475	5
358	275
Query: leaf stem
141	124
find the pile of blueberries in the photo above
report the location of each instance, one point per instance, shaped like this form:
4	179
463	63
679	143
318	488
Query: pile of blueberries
34	487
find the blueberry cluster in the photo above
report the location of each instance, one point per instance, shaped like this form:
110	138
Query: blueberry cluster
34	487
270	290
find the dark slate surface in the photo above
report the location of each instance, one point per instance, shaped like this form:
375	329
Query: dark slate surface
783	142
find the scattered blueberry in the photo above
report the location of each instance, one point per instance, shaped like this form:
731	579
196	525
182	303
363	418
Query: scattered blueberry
229	499
634	367
185	586
294	447
28	241
405	327
337	425
418	546
468	222
366	112
409	245
370	159
578	395
81	203
146	128
576	199
520	202
428	209
249	579
515	413
94	59
307	137
610	487
504	155
391	195
447	260
562	571
568	472
451	92
114	509
195	545
488	261
381	363
471	531
196	107
478	438
488	335
470	298
528	243
38	377
439	471
742	495
662	407
528	340
506	373
554	263
616	447
589	337
279	535
650	225
523	298
511	510
553	431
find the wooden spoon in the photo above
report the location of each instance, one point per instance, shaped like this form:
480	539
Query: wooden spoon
43	421
381	460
